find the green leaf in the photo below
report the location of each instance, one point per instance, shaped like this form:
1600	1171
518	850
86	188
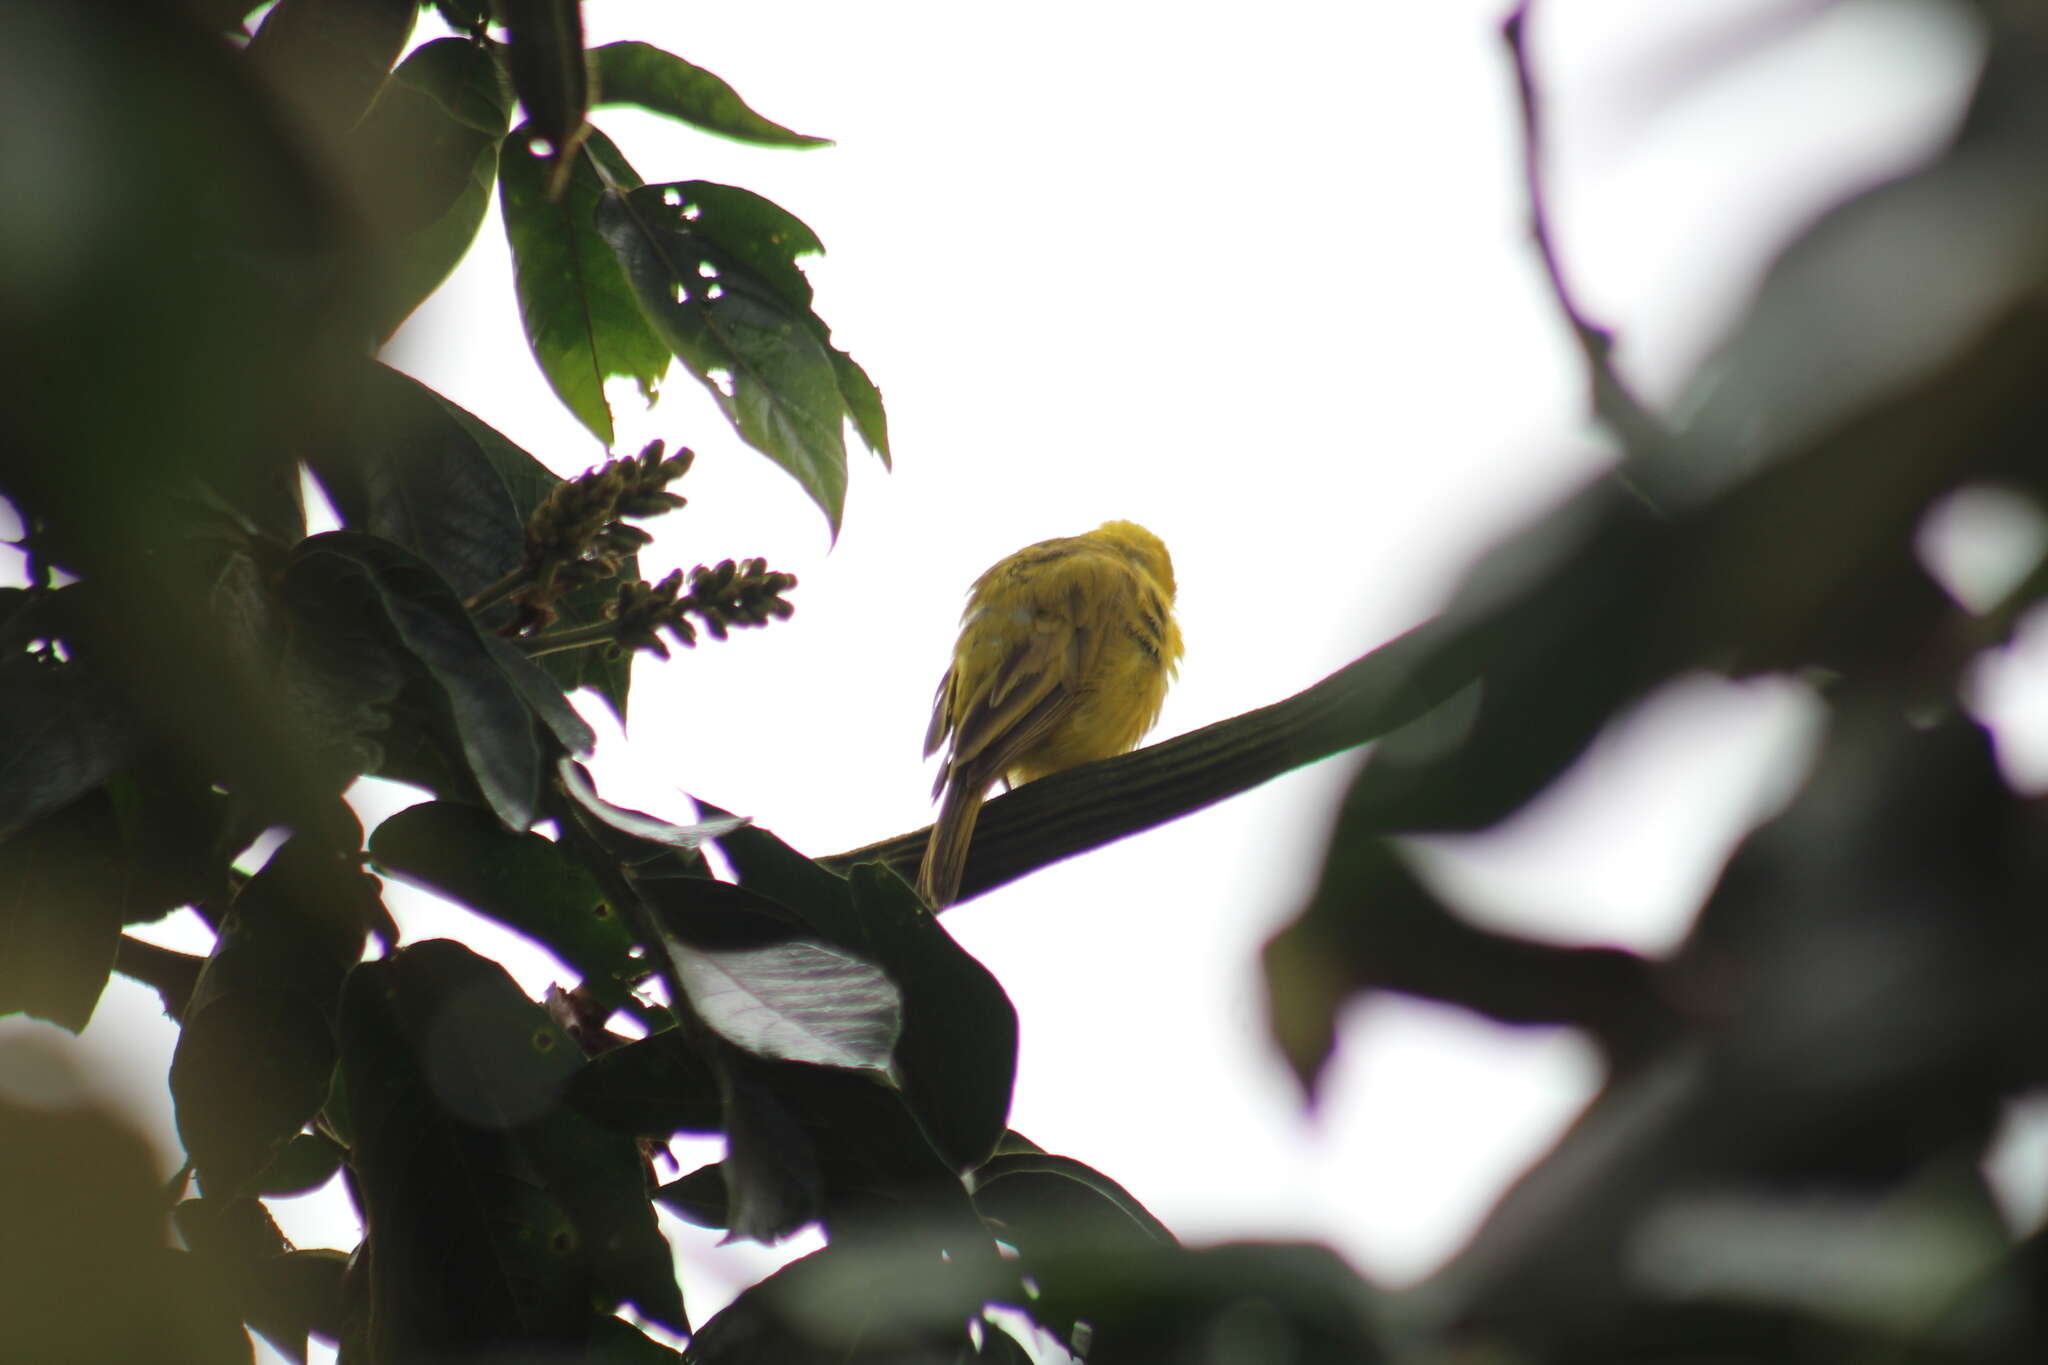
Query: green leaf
581	318
663	83
549	68
714	269
956	1060
499	1216
426	155
863	404
256	1055
491	721
521	880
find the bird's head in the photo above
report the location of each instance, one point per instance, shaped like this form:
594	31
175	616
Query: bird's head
1141	545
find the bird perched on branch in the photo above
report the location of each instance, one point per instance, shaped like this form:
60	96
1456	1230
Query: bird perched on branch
1065	651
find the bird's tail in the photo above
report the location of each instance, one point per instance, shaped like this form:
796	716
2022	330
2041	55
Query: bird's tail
945	854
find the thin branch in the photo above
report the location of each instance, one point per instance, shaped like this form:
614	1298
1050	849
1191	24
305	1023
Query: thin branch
1043	822
497	592
1614	403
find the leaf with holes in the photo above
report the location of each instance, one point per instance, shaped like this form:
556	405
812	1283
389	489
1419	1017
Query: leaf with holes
663	83
714	269
549	69
582	321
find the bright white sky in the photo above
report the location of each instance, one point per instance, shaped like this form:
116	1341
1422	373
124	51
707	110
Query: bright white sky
1262	285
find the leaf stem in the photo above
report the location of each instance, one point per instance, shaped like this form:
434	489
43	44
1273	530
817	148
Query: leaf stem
562	641
497	592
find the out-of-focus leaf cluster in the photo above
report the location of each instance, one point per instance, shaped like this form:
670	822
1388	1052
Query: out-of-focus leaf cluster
1785	1161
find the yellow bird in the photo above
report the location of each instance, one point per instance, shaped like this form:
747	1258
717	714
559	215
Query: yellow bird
1065	651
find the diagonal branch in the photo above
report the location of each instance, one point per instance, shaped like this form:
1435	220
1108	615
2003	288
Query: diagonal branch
1056	817
1614	403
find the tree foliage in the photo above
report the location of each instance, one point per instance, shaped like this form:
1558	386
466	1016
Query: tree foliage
1798	1100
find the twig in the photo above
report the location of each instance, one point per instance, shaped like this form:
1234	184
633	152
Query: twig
1068	813
1614	403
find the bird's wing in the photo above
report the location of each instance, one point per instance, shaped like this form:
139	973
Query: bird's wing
1029	644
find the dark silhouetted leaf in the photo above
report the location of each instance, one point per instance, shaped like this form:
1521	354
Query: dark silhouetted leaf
1044	1204
532	884
1245	1304
306	1163
772	869
489	718
497	1215
256	1055
61	733
821	1310
406	466
655	1087
60	911
426	155
698	1197
956	1060
529	481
